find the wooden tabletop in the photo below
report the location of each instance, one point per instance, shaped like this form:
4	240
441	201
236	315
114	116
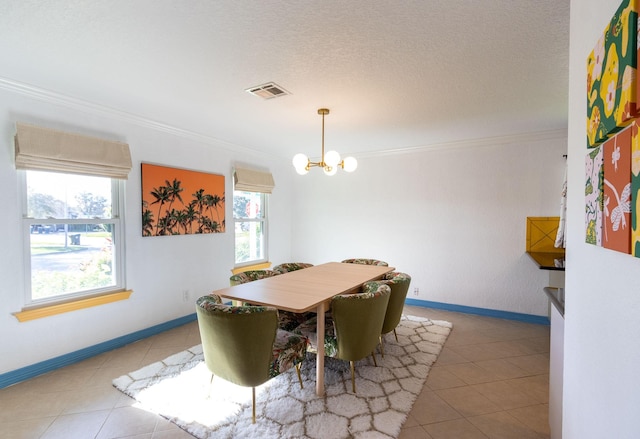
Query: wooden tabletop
302	290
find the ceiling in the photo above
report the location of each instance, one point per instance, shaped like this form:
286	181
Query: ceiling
395	74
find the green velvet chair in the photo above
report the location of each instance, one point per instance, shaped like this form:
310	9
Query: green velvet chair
365	261
243	345
291	266
399	284
353	329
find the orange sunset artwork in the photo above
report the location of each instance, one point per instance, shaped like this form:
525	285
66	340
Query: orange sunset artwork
181	202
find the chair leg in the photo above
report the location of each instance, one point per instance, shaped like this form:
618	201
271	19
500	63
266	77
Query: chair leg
381	346
373	355
299	376
210	385
395	333
253	405
353	376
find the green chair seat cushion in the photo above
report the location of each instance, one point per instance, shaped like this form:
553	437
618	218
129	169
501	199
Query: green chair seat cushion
309	329
289	349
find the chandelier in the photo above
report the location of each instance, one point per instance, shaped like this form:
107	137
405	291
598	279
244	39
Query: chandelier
329	162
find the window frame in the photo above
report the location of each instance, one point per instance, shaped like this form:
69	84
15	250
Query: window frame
116	219
265	229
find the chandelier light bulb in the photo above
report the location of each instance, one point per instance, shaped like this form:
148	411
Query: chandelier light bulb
300	161
332	158
302	171
349	164
330	170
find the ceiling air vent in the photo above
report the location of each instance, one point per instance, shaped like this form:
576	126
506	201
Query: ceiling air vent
268	91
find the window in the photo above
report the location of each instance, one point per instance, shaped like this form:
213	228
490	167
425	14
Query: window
250	217
73	229
250	214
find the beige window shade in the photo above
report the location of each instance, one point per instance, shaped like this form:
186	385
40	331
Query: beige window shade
253	181
44	149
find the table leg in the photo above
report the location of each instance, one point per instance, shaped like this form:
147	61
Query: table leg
320	354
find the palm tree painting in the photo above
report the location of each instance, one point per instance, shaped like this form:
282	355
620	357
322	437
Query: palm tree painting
181	202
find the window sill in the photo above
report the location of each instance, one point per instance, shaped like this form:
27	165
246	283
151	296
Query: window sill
59	308
261	266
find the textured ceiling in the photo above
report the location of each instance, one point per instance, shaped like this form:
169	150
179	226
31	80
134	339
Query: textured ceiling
395	74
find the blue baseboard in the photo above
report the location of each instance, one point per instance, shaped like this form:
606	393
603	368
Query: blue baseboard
25	373
527	318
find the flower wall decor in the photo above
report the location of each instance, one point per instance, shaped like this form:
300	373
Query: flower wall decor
593	196
612	101
181	202
612	165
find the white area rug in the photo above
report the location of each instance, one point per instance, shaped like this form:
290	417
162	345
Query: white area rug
177	389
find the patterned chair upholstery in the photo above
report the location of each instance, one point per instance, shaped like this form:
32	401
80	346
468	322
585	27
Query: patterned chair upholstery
353	329
250	276
365	261
291	266
243	345
290	320
399	284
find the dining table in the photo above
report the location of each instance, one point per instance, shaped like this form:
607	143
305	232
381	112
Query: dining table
308	289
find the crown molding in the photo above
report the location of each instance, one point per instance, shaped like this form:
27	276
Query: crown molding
59	99
55	98
472	143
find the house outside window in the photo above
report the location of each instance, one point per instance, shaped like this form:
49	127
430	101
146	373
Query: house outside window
73	233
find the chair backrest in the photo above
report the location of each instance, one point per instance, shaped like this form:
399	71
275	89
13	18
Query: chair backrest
250	276
291	266
365	261
399	284
358	319
237	341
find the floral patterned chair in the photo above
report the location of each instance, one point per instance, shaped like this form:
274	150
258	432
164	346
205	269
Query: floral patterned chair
291	266
353	329
365	261
250	276
243	345
399	284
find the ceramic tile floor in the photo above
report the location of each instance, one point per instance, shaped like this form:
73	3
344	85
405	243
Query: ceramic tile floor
490	381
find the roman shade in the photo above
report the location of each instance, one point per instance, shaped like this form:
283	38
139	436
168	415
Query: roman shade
253	181
45	149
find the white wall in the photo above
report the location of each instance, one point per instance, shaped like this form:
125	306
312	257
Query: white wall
602	352
453	218
158	268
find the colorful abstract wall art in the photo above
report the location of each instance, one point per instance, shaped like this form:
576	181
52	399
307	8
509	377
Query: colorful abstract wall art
616	217
180	201
635	190
593	196
611	76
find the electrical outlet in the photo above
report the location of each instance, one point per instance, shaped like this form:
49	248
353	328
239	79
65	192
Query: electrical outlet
416	291
185	295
